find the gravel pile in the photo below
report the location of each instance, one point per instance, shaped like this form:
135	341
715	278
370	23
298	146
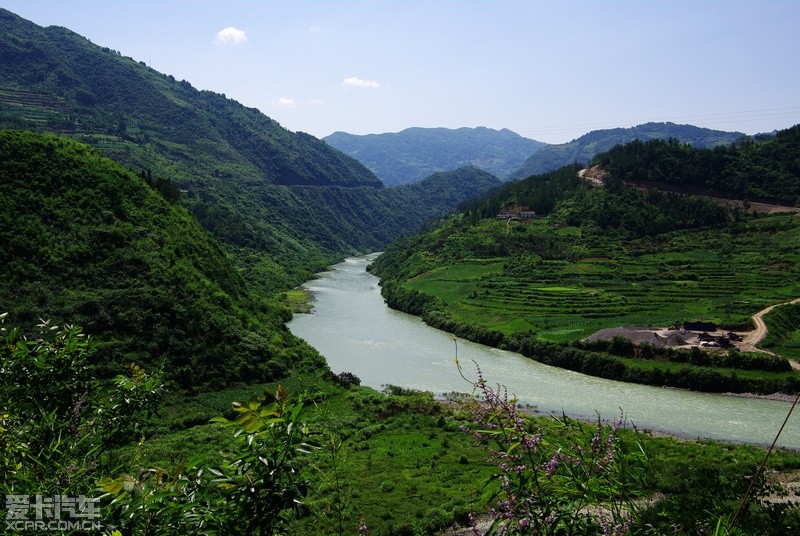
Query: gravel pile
645	336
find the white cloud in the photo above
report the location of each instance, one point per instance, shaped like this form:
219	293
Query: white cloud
286	102
314	102
314	29
354	81
230	35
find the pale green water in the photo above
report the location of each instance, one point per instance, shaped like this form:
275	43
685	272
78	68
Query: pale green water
352	327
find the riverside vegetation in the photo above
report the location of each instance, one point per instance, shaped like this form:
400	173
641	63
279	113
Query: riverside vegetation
174	264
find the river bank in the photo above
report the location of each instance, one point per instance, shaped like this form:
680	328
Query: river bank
356	332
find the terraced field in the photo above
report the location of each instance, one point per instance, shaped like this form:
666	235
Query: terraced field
30	109
722	277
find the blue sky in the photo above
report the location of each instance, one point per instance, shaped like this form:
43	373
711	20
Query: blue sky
550	71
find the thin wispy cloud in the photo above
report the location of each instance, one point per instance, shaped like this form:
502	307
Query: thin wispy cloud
314	29
230	36
355	81
314	102
286	102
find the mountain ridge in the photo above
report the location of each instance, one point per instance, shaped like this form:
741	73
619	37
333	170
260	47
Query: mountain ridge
585	147
99	88
417	152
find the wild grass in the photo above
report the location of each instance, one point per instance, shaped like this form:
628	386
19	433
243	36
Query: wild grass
299	300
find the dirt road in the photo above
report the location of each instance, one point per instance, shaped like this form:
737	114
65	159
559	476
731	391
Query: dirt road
753	338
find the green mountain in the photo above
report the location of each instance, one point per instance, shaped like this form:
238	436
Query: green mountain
53	78
583	149
88	242
392	212
415	153
747	169
600	256
284	203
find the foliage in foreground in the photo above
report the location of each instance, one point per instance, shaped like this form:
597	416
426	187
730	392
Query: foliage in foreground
255	490
57	421
568	484
593	480
59	427
291	467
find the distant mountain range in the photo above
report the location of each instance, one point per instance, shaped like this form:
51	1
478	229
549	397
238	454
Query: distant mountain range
583	149
415	153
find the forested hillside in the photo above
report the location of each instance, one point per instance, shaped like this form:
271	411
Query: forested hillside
88	242
55	79
583	149
600	256
415	153
753	170
284	203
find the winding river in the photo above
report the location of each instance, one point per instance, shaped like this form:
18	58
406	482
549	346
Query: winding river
356	332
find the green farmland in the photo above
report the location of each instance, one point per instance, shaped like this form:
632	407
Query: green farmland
598	282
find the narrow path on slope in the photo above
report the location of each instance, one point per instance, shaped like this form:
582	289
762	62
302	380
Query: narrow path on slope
596	176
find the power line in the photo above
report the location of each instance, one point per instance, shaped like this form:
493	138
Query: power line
774	114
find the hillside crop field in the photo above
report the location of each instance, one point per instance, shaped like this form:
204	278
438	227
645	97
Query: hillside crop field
600	281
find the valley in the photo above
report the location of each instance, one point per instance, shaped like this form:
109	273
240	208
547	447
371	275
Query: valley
160	244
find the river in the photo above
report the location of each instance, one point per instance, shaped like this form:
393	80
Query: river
356	332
